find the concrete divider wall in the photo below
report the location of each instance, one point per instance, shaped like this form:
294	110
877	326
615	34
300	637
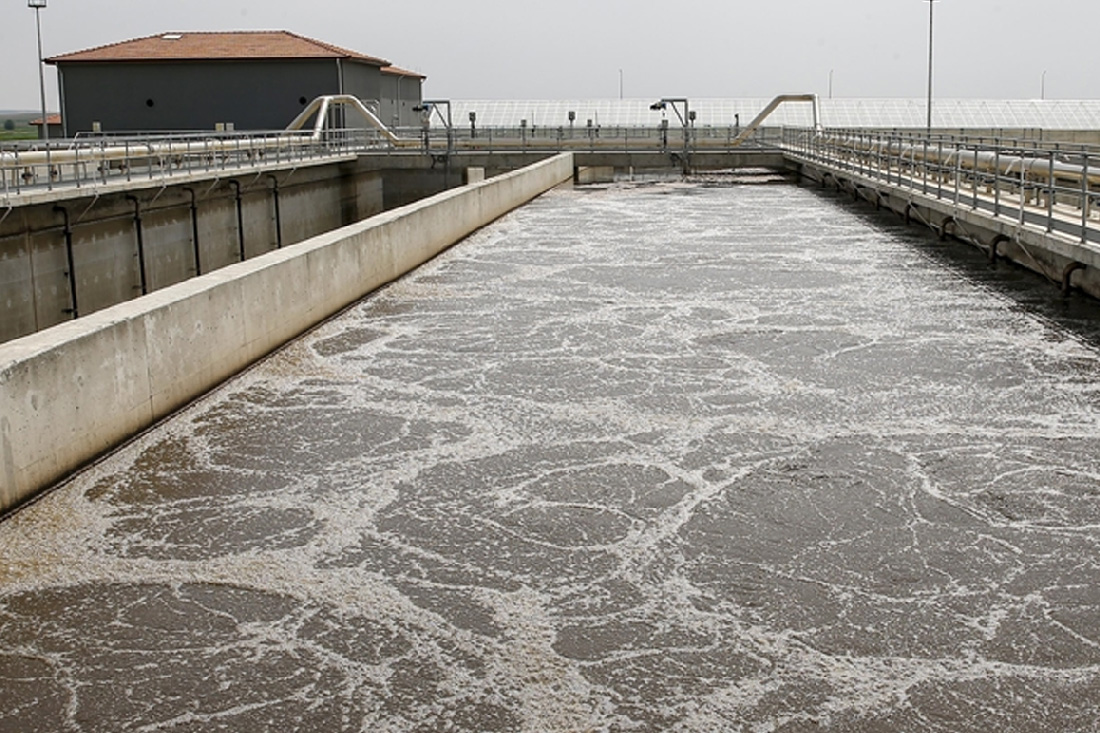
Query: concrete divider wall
282	206
74	391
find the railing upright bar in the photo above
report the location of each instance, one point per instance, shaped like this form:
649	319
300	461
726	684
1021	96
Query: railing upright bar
958	174
1023	187
939	170
1052	191
997	180
924	166
976	179
1085	198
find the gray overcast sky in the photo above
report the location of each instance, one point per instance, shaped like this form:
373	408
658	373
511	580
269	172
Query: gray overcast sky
569	49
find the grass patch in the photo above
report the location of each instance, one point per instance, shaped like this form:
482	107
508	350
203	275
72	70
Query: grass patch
20	124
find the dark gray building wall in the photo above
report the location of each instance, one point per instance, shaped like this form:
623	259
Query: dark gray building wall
399	95
362	80
137	96
56	131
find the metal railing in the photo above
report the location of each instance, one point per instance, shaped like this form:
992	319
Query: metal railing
605	138
91	162
1049	185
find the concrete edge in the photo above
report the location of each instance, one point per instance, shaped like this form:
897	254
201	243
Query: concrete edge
72	392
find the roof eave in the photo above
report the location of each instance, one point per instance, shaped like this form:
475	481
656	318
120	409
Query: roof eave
56	60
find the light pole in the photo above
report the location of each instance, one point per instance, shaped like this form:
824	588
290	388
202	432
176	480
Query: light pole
620	83
931	5
1043	86
830	83
38	5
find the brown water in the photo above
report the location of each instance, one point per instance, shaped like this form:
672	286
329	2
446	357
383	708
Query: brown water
671	457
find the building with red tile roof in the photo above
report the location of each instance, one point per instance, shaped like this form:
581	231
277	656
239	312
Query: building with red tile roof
54	121
198	80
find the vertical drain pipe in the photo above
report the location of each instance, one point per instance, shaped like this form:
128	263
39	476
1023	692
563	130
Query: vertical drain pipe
278	216
140	244
240	217
195	230
70	261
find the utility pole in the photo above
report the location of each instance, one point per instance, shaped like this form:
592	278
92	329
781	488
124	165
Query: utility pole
38	5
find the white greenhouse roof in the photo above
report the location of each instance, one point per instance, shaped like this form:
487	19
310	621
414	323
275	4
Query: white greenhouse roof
1051	114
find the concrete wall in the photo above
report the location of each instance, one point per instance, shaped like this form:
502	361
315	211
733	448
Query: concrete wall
34	277
75	391
406	186
585	175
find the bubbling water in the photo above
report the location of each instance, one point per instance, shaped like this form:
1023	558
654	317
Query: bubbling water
664	456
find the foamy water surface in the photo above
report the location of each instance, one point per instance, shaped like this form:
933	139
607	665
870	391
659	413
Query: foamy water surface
662	457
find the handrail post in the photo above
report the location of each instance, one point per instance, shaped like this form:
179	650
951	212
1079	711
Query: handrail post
889	156
939	170
997	179
878	154
958	173
924	166
1052	191
974	185
1023	187
1085	198
4	174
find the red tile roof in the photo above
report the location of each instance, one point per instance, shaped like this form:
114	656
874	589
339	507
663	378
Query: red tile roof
206	46
53	119
398	71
